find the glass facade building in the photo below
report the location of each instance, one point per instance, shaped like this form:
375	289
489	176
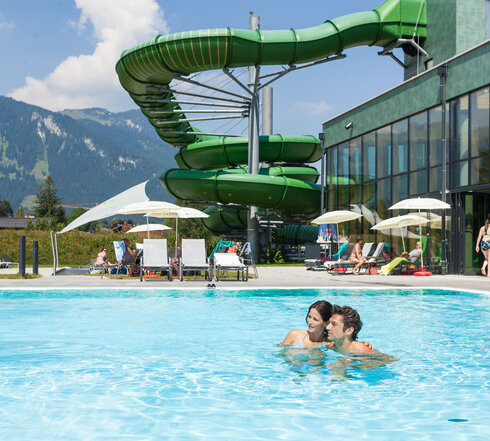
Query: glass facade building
404	159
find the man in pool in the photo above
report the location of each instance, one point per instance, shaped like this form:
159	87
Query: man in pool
342	330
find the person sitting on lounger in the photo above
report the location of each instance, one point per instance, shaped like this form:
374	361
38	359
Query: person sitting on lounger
415	254
102	258
130	256
357	257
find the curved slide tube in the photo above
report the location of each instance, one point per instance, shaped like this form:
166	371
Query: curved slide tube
147	70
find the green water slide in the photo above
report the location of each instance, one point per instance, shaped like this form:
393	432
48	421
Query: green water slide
211	167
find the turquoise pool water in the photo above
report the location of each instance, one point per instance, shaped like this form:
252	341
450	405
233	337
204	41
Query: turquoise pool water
185	365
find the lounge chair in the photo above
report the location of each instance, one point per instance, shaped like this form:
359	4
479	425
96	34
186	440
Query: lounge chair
400	262
225	262
122	265
6	262
334	265
194	258
155	257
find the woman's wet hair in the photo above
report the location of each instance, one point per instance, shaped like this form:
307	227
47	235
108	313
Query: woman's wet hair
324	309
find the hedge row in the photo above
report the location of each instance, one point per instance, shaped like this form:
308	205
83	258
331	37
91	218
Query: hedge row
74	248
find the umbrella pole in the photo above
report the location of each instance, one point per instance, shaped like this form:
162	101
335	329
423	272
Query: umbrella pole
176	235
147	227
403	242
420	234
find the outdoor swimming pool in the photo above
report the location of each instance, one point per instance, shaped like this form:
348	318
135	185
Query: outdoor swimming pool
183	365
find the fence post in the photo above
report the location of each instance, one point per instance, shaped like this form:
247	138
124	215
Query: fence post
35	257
22	256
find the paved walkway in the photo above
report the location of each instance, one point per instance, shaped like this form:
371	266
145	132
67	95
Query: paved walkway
269	277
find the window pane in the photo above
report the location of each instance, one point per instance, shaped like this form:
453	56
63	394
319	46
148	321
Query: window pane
332	165
435	180
418	141
418	182
332	200
435	136
459	128
355	159
384	197
383	144
480	116
400	147
343	195
400	188
369	156
459	174
355	195
343	160
480	170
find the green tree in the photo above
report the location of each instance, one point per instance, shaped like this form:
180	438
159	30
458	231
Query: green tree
77	212
5	208
20	212
47	201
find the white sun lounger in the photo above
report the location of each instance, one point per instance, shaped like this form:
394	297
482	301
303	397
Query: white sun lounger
194	258
155	257
225	262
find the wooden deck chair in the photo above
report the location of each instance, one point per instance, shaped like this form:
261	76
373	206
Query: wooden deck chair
194	258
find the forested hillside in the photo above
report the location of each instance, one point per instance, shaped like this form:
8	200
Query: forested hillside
92	154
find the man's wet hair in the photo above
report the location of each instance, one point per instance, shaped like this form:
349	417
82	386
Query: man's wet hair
351	319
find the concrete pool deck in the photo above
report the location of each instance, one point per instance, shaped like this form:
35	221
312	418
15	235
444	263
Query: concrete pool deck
269	277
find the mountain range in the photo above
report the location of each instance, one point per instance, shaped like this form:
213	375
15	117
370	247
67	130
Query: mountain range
91	154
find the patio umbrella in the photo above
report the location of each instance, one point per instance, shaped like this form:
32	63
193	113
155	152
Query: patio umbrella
176	213
148	227
421	204
144	207
336	217
406	220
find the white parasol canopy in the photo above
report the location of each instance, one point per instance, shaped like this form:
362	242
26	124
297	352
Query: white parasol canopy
110	207
148	228
178	213
406	220
336	217
421	204
147	206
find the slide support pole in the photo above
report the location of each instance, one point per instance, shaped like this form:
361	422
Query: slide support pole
253	147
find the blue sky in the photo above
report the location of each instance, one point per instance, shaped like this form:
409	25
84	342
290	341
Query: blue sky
61	53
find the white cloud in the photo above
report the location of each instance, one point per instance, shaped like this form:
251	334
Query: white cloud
90	80
314	108
6	25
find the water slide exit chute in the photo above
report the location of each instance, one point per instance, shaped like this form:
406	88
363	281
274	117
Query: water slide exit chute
211	167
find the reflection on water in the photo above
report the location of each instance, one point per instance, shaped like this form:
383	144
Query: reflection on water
339	367
304	361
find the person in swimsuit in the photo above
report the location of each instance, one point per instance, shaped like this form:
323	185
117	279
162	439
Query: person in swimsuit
102	258
357	256
317	319
342	330
483	243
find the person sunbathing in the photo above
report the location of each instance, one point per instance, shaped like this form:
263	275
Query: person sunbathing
357	257
102	258
415	254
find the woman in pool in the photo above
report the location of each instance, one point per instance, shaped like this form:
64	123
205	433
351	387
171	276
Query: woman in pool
483	243
317	320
